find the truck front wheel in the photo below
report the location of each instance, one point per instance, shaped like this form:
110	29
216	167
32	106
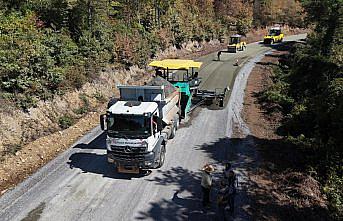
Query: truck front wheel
177	123
173	132
162	155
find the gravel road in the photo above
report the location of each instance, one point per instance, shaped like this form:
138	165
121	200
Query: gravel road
80	185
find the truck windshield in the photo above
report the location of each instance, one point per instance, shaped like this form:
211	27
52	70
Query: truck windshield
234	40
274	32
128	125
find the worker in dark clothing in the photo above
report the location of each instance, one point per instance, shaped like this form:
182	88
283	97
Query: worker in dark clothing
222	201
227	169
232	190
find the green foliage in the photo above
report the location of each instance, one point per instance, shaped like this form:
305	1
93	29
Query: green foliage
100	97
50	46
334	189
66	121
32	61
278	92
85	105
12	149
309	88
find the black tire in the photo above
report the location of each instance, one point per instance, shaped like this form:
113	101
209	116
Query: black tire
176	123
162	155
173	132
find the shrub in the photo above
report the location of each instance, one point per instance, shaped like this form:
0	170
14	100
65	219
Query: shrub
66	121
334	190
84	107
99	96
12	148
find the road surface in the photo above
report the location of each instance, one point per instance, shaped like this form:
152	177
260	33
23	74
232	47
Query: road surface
80	185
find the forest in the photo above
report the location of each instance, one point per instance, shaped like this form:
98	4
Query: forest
308	89
50	46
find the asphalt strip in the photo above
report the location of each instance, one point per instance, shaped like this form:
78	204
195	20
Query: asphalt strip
235	104
246	156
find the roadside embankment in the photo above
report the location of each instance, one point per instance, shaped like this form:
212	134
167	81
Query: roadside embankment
278	188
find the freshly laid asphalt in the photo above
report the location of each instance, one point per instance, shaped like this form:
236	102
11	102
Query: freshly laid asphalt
80	185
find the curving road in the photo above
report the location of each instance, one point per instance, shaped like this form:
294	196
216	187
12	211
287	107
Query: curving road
80	185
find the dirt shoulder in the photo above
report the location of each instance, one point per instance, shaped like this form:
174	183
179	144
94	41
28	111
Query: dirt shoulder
279	187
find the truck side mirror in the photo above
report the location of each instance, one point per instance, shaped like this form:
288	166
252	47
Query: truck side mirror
103	122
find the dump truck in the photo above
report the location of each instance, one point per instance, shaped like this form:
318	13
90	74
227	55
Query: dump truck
139	123
275	35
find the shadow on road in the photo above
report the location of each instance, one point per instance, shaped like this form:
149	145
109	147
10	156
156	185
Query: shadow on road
185	203
282	46
97	163
98	143
177	207
90	162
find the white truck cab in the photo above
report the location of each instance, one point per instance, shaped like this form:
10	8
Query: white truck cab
138	126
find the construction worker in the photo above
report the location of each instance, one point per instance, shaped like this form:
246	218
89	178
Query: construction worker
232	190
218	55
222	200
206	183
227	169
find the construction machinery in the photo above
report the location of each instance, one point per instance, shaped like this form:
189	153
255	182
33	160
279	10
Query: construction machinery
183	75
235	44
275	35
139	123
